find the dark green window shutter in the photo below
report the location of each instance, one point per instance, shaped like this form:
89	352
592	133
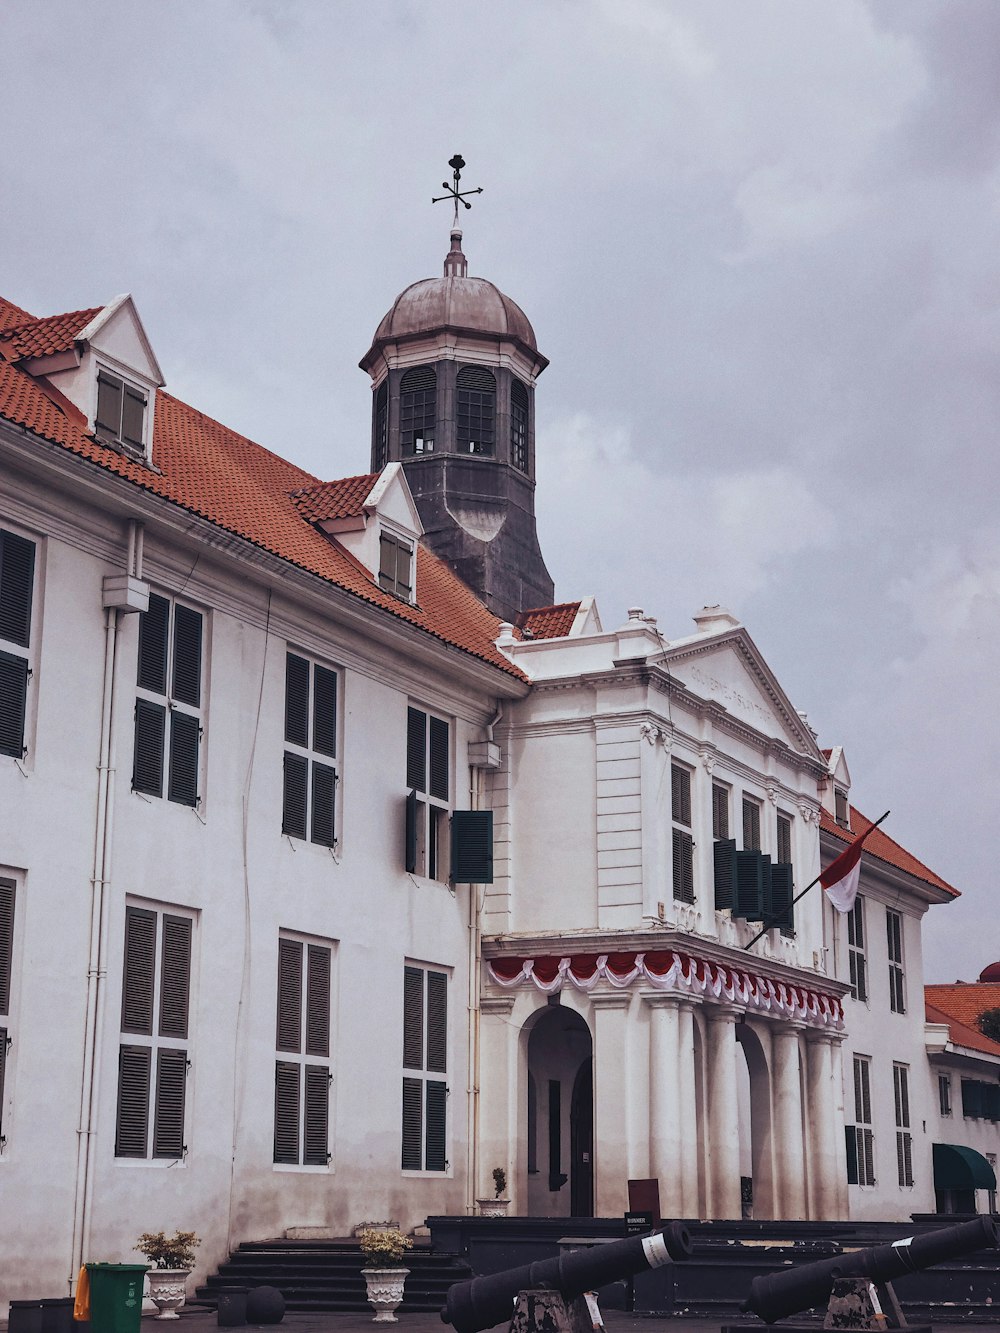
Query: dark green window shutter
140	961
972	1098
318	1001
416	749
991	1101
154	626
296	700
780	911
724	854
186	687
109	403
472	847
851	1143
411	833
168	1116
324	791
680	794
413	1018
17	575
175	976
6	942
720	811
182	785
133	415
784	827
412	1123
287	1083
147	765
132	1128
751	825
324	710
437	1114
683	866
437	1022
13	702
317	1116
439	786
749	886
290	957
293	806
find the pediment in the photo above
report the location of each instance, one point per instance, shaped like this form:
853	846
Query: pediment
116	333
392	499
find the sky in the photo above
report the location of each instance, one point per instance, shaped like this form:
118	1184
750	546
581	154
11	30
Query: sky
757	240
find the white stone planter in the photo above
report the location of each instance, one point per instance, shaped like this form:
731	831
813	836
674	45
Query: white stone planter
493	1207
385	1291
167	1290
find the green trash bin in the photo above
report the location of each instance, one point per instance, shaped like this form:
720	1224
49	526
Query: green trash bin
116	1297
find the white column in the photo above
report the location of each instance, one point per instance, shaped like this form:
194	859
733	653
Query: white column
688	1106
825	1154
611	1155
666	1136
723	1112
499	1086
788	1121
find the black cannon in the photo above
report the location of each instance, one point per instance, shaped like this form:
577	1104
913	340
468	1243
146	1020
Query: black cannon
779	1294
482	1302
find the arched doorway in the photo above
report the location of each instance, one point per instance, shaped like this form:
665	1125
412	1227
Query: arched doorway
756	1145
560	1115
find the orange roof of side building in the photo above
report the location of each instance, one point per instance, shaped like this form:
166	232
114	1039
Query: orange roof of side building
959	1006
44	337
880	846
548	622
244	488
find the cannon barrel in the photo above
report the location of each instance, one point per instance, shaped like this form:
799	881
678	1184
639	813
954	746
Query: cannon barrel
482	1302
779	1294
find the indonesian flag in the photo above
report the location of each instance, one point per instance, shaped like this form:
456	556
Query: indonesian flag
840	878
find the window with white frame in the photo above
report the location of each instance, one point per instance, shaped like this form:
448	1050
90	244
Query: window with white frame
944	1094
303	1070
683	841
860	1136
121	411
395	571
751	824
857	961
153	1057
8	892
842	810
904	1140
309	774
897	984
17	579
168	705
425	1065
428	776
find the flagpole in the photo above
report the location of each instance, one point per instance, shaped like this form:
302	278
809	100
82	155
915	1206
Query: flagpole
769	921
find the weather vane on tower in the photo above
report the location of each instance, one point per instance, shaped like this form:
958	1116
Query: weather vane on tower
453	192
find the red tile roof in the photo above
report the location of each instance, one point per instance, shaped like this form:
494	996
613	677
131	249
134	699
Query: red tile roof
548	622
334	499
960	1006
244	488
43	337
883	848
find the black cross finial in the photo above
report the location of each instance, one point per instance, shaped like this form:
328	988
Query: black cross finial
453	192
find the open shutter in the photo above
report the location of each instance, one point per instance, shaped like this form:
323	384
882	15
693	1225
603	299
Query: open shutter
133	416
153	629
140	959
317	1116
296	700
437	1022
132	1131
324	710
782	892
851	1143
168	1118
3	1070
13	702
410	860
150	735
318	1002
182	781
412	1124
289	1035
972	1098
175	976
724	854
287	1082
17	574
749	886
416	746
472	847
6	941
109	404
683	866
439	786
324	791
293	806
186	684
413	1018
437	1115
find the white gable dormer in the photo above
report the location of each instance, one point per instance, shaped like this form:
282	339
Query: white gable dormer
383	532
836	796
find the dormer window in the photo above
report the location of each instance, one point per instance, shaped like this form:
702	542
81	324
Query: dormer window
395	572
121	411
841	811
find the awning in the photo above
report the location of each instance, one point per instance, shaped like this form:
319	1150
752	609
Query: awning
959	1168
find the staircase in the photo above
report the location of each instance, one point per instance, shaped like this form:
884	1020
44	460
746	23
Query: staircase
325	1275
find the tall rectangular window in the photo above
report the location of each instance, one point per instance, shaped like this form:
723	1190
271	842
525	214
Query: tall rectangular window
720	811
944	1094
153	1055
310	761
683	842
904	1140
168	705
751	824
17	580
856	949
784	832
860	1136
897	984
7	894
428	776
425	1064
303	1071
518	425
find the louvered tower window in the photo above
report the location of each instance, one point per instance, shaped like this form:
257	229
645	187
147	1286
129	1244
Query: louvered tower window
17	579
310	758
417	411
425	1065
519	425
7	895
475	410
683	841
380	444
428	776
303	1070
168	706
153	1058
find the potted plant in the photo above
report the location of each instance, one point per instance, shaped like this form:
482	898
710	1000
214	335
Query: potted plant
498	1205
382	1250
171	1259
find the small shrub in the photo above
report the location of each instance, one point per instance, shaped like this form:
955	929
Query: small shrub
163	1251
499	1180
989	1024
383	1247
